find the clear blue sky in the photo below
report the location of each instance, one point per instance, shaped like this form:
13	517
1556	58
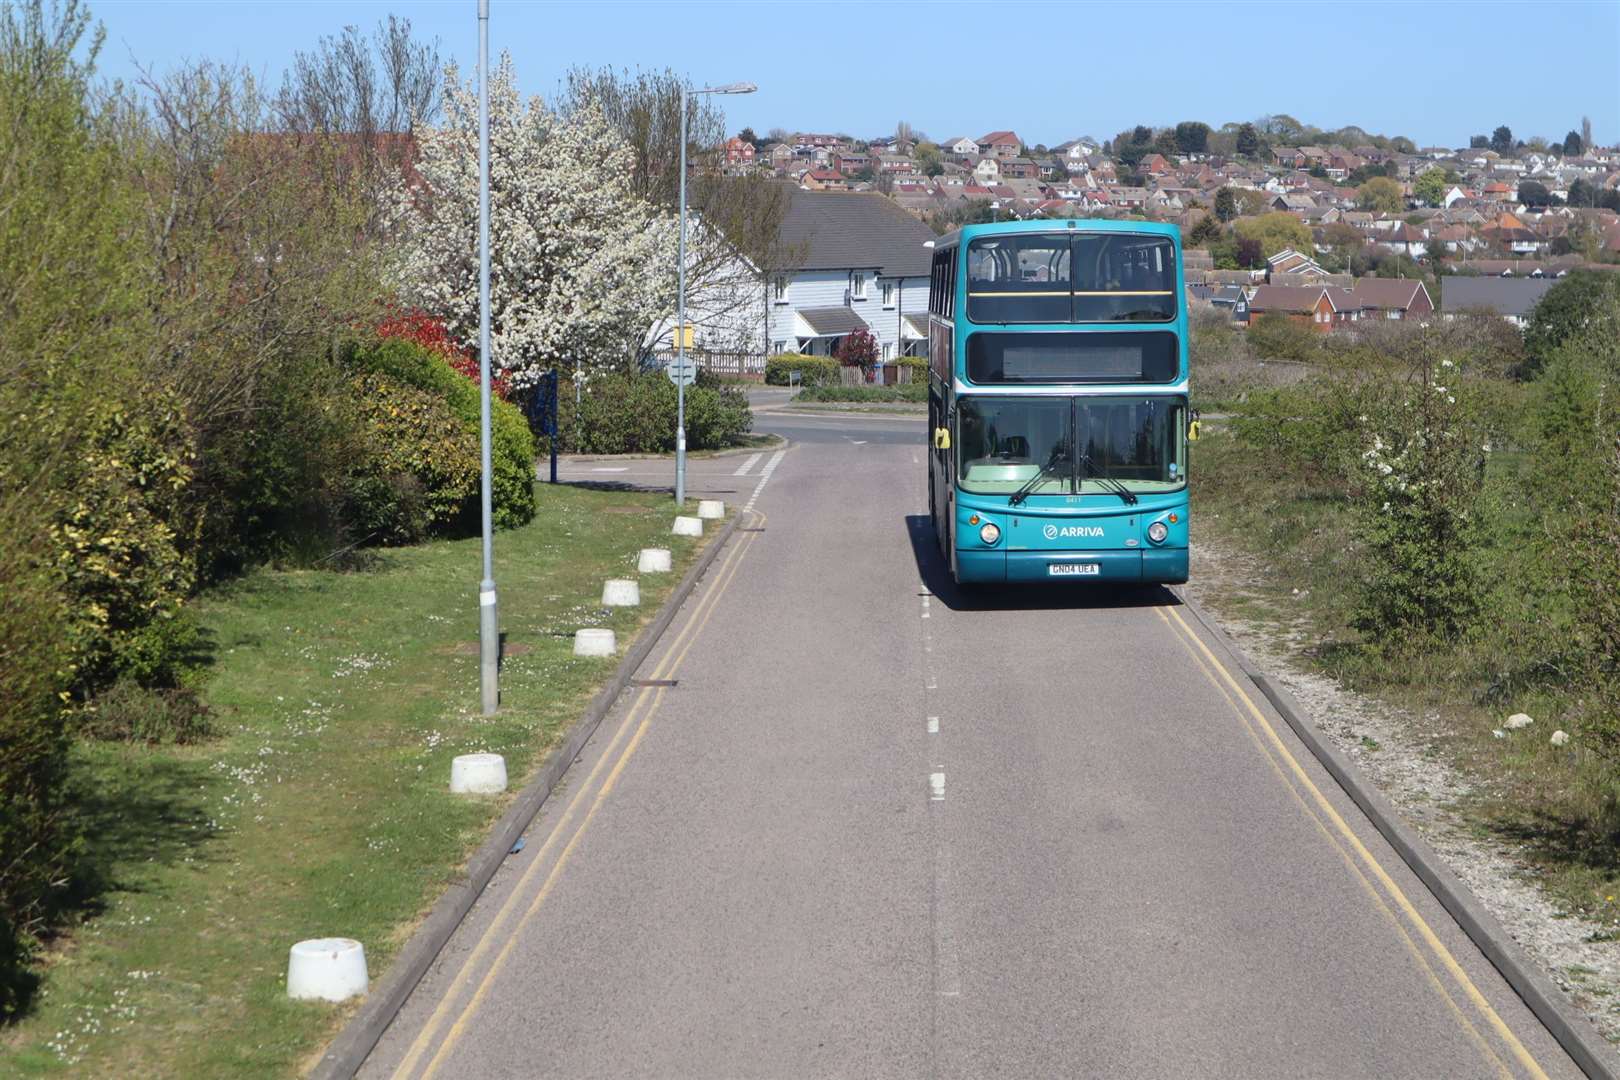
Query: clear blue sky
1436	72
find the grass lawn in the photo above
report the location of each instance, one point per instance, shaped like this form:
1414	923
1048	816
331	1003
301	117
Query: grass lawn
322	808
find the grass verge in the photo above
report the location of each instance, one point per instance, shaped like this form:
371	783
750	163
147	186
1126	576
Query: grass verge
1547	803
323	808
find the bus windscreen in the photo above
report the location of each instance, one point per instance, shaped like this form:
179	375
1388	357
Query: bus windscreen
1102	357
1071	277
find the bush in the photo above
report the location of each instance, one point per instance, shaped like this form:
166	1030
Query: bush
512	449
813	370
905	392
636	414
1278	337
916	365
120	560
1421	475
37	845
420	473
130	712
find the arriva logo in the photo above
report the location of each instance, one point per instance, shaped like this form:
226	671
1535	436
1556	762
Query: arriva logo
1052	532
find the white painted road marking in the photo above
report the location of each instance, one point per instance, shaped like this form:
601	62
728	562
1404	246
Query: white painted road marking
611	468
933	725
764	477
936	786
742	470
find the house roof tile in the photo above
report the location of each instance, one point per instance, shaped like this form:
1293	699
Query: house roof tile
841	230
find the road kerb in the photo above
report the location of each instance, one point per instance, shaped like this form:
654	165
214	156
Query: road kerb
1570	1030
354	1043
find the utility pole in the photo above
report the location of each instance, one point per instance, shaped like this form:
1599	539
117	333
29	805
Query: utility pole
489	634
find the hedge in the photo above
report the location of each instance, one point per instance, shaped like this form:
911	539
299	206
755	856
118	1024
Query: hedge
813	370
512	444
636	414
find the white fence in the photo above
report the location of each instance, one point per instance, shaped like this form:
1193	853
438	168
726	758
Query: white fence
732	364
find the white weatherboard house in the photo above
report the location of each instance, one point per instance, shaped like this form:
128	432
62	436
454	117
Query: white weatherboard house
860	265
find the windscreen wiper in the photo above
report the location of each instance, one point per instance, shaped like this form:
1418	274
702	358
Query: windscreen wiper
1107	481
1028	486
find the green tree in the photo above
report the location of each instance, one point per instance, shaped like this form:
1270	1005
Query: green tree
1226	206
1502	139
1248	141
1479	142
1582	193
1207	231
929	159
1534	193
747	135
1275	231
1192	137
1564	310
1381	194
1431	186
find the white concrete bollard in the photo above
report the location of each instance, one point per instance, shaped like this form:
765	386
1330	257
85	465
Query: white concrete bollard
478	774
654	561
620	592
711	509
327	969
688	526
593	642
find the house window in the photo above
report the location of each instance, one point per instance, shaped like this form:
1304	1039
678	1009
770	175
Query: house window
888	294
857	287
888	351
779	347
781	290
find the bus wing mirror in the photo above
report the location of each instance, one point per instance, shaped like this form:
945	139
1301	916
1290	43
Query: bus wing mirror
1192	431
942	438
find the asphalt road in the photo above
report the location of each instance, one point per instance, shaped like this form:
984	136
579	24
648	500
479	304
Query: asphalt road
875	828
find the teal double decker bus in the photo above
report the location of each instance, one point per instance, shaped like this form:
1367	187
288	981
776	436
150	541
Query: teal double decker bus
1057	405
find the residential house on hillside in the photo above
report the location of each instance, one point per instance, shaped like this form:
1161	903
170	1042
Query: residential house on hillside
1000	144
963	147
739	152
1320	306
1393	298
825	180
861	266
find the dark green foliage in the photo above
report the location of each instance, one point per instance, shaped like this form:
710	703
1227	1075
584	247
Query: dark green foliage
1192	137
130	712
1502	139
1534	193
1573	144
1248	141
1206	231
1564	309
1226	204
813	370
512	444
636	414
904	392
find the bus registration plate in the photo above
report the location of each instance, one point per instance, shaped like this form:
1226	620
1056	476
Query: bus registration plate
1072	569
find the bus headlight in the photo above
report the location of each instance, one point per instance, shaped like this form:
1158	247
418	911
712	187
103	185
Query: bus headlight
1158	531
990	533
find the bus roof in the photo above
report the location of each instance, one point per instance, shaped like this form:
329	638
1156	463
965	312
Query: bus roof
1047	225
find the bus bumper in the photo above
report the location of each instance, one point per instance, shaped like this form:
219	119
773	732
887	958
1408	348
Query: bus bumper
1163	565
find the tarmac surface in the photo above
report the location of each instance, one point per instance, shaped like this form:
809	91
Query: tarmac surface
859	824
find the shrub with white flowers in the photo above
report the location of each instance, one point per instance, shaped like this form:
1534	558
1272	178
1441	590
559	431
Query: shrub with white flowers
1421	475
579	262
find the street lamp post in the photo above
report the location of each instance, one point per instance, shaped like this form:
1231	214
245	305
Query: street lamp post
489	634
680	294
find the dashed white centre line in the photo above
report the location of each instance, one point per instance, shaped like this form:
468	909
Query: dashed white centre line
611	468
764	477
933	725
742	470
936	786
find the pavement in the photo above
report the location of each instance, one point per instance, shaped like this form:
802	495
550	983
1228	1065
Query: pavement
856	823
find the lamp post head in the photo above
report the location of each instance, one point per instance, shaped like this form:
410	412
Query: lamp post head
729	88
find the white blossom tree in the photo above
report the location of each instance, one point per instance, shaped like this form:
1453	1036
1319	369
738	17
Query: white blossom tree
579	264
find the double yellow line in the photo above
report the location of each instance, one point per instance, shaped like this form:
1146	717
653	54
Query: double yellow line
1363	865
645	707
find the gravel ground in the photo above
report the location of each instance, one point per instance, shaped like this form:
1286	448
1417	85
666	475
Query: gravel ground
1398	752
